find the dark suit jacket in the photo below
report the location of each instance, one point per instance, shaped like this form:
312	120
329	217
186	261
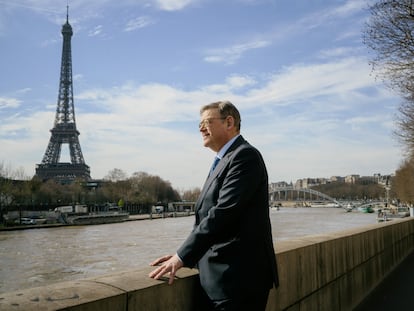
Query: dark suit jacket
231	242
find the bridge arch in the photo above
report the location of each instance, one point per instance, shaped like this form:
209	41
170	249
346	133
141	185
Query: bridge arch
290	193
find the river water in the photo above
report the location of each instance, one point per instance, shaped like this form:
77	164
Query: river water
37	257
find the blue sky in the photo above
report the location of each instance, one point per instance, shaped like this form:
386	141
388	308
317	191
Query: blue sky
296	69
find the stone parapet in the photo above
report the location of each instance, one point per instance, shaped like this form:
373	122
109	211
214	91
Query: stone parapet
337	271
322	272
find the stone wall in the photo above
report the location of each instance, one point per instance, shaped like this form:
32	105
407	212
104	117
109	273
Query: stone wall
337	271
322	272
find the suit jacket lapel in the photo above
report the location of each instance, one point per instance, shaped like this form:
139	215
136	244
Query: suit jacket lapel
223	162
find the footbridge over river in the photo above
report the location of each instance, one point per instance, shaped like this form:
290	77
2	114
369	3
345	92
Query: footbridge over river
304	194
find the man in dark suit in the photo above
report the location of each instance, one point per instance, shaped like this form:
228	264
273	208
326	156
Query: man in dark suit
231	242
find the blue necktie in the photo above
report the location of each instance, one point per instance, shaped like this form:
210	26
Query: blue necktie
216	160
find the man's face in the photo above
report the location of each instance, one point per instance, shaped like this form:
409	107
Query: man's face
214	130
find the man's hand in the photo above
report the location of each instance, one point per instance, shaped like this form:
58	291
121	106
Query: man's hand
169	263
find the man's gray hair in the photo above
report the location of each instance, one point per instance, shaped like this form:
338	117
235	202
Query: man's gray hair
225	108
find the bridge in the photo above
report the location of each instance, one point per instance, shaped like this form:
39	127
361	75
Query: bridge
305	194
308	195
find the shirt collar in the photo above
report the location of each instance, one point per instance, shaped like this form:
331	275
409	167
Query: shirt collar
226	147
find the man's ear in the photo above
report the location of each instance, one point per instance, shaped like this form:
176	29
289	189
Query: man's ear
230	121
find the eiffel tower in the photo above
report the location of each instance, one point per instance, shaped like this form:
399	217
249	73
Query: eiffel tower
64	130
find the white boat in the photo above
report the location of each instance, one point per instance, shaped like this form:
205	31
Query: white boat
79	215
349	207
324	204
97	218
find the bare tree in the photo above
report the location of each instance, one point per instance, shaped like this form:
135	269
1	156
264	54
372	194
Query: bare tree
389	34
191	195
405	123
116	175
6	171
403	181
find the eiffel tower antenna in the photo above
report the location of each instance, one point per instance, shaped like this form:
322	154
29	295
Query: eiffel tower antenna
64	130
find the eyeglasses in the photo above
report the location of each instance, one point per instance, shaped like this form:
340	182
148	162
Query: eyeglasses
207	122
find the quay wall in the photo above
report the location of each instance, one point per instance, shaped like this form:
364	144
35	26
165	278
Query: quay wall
321	272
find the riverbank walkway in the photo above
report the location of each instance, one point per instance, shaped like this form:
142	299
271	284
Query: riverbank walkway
395	292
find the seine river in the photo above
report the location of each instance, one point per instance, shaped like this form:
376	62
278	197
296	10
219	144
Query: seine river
37	257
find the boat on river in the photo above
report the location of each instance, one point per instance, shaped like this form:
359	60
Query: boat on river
79	215
97	218
366	209
349	207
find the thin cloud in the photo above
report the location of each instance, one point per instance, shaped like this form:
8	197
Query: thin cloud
6	103
301	81
232	83
332	14
350	7
138	23
23	91
44	7
49	42
173	5
319	19
232	54
96	31
337	52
